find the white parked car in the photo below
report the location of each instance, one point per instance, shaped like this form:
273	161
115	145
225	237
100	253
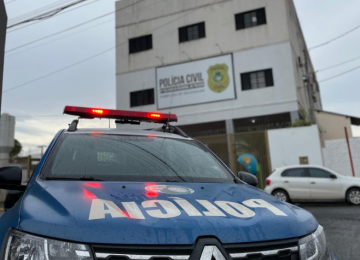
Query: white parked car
310	182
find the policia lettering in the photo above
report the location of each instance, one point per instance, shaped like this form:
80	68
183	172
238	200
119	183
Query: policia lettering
100	208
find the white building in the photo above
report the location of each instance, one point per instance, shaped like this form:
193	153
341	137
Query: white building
222	66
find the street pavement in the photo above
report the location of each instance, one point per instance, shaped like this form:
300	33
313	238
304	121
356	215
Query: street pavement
342	227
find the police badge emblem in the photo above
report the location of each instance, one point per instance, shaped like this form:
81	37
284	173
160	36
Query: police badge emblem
219	79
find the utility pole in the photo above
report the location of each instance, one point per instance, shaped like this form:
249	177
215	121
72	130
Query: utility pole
42	149
3	24
309	86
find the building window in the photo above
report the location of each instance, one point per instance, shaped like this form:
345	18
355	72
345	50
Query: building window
192	32
250	19
139	44
257	79
142	98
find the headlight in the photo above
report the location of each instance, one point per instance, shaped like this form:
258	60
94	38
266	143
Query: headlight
21	246
314	247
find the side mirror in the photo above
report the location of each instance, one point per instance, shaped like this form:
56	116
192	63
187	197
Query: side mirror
248	178
10	178
333	176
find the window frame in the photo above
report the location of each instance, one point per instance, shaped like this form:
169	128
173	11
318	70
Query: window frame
314	168
245	79
184	32
287	170
142	91
260	18
134	44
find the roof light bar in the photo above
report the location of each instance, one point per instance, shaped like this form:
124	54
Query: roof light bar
90	113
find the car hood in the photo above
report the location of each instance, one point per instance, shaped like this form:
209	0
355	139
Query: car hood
143	213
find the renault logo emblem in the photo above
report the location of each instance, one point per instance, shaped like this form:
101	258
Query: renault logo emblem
211	252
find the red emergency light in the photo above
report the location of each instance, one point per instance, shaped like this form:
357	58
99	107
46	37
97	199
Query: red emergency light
90	113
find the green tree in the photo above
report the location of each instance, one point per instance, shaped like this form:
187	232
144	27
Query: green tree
16	150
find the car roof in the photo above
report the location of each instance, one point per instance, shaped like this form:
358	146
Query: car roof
113	131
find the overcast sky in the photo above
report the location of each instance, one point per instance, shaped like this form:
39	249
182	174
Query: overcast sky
38	106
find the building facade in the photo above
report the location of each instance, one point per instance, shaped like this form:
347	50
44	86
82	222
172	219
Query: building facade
222	66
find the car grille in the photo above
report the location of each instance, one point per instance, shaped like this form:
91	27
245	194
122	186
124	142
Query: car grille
282	250
142	252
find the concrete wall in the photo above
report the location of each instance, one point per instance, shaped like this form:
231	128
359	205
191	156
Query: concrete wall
7	132
336	156
272	100
298	45
332	126
219	17
287	145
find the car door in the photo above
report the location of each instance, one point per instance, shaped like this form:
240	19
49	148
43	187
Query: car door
296	182
323	186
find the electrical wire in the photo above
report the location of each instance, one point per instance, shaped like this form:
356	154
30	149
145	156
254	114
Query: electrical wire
89	58
57	71
38	11
337	65
73	27
46	15
74	33
10	55
334	39
36	22
338	75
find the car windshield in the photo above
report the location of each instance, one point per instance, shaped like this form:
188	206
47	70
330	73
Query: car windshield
133	158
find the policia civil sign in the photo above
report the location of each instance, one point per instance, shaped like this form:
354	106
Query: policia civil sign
195	82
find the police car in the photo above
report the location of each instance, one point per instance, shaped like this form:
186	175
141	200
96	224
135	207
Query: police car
147	195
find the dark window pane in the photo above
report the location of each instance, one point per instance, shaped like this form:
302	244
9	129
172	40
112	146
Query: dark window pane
300	172
139	44
245	81
269	78
182	34
261	16
192	32
239	20
318	173
142	97
250	19
202	33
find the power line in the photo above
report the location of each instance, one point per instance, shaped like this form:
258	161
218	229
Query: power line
334	39
89	58
37	11
70	28
47	14
36	22
338	75
74	33
57	71
337	65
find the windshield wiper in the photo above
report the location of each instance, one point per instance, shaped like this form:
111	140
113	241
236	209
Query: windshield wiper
72	179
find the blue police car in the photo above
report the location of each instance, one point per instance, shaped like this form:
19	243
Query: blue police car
147	195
